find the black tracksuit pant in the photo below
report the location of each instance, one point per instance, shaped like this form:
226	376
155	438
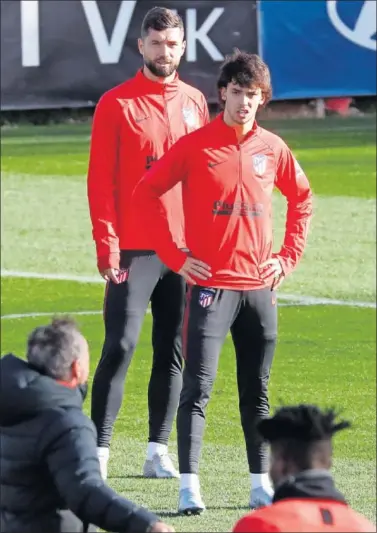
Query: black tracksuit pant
124	310
251	316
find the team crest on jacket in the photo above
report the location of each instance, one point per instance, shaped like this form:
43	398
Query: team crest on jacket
189	116
123	275
260	163
206	298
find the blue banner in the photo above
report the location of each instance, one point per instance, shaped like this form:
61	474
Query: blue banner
319	48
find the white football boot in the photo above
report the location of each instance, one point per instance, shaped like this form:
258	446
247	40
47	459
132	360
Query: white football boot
160	466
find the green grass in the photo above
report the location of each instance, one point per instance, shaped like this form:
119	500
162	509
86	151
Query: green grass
322	353
339	162
48	217
325	354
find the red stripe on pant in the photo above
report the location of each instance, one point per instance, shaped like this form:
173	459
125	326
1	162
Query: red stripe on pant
185	325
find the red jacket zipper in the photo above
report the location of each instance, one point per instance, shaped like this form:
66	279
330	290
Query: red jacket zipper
167	117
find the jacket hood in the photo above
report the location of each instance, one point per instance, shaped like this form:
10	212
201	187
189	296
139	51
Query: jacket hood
312	484
25	392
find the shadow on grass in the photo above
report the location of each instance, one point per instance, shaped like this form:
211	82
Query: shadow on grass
135	476
228	508
170	514
167	514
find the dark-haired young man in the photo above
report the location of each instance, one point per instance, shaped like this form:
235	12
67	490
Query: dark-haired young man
134	124
228	170
301	458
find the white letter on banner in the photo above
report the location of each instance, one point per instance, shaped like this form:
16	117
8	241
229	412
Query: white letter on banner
194	35
30	33
108	51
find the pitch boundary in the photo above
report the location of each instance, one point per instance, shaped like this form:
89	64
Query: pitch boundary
17	316
294	298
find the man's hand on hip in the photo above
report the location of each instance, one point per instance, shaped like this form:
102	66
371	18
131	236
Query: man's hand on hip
110	274
194	267
272	271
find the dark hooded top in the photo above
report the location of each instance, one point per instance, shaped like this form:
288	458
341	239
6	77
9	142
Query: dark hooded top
48	460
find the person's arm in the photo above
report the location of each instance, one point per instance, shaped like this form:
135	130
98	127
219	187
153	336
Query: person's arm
205	111
69	449
165	173
101	184
294	185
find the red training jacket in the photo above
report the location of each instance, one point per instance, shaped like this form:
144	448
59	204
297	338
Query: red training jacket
134	124
295	515
227	191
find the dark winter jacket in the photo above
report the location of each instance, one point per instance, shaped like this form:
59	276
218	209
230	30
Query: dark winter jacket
48	460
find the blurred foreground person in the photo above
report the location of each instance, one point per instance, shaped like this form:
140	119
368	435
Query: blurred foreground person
49	470
306	498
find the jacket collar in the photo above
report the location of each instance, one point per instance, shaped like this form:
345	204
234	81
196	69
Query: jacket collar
153	87
229	132
310	484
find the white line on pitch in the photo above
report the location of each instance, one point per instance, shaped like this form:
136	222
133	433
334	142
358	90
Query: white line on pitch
17	316
300	300
60	277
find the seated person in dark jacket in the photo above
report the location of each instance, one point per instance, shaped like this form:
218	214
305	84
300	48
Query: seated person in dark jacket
49	470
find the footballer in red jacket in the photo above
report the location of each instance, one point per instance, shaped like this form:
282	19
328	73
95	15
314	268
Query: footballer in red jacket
306	498
134	124
228	170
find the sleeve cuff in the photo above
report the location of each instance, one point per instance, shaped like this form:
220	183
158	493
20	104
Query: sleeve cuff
175	259
286	263
110	260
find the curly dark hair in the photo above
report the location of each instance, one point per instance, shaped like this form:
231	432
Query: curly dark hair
302	422
245	70
302	432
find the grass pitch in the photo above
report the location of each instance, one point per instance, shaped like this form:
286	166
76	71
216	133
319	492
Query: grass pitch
326	353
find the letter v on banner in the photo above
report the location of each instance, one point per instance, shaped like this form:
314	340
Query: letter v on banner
108	50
